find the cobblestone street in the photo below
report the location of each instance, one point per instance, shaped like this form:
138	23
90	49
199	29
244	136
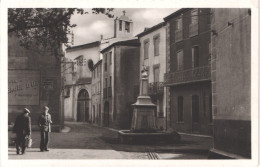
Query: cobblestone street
85	141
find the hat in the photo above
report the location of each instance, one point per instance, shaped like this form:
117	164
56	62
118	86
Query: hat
26	110
46	108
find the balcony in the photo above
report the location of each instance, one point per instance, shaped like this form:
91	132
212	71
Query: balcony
188	76
155	88
194	29
178	35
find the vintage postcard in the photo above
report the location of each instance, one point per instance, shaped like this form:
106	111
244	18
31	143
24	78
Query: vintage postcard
125	82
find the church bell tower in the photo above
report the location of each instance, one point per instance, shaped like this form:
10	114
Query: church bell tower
123	27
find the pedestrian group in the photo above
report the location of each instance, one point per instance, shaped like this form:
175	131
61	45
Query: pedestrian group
22	128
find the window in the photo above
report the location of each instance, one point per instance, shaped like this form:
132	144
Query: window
156	74
110	58
195	56
210	109
127	26
156	41
180	109
120	25
90	64
110	81
146	49
93	73
180	60
194	16
97	68
109	87
105	89
179	24
105	57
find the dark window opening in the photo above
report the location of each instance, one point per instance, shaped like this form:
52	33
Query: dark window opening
180	109
120	25
90	64
127	26
146	50
195	56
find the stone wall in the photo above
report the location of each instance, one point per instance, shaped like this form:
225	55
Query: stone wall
37	72
231	71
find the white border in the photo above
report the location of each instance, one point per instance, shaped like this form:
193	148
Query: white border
253	4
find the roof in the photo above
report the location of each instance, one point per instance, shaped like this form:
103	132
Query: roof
176	13
125	18
84	46
151	29
97	64
132	42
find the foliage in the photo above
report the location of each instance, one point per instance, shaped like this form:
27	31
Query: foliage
45	27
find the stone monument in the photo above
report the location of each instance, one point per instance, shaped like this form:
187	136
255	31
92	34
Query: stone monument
144	110
143	128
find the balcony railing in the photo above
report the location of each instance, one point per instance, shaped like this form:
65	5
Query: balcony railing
178	35
194	29
188	76
155	88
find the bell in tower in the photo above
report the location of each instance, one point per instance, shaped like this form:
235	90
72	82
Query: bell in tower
123	27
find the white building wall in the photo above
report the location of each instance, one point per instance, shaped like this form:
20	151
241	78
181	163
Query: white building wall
154	60
71	77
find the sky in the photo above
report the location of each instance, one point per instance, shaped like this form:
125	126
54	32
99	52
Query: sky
91	26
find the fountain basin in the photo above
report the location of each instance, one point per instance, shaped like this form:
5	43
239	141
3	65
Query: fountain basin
130	137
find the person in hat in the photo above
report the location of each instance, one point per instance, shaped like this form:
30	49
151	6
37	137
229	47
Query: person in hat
45	127
22	128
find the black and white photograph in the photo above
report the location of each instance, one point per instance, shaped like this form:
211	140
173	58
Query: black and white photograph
174	83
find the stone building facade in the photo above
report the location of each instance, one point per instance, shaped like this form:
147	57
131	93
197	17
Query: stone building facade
188	74
77	75
231	82
33	81
120	82
153	56
82	72
96	99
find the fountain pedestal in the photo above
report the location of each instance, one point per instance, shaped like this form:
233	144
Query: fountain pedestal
144	111
143	126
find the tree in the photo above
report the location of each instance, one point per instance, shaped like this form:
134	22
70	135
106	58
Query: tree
46	28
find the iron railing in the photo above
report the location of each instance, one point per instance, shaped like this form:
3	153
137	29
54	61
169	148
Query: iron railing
186	76
155	88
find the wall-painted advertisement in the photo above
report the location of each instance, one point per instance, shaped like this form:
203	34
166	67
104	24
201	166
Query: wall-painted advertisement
23	87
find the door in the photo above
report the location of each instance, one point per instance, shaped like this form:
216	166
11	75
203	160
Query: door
83	106
106	114
195	114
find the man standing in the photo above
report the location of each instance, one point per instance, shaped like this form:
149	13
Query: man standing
22	128
45	127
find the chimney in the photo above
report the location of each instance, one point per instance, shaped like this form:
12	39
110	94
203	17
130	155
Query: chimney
101	37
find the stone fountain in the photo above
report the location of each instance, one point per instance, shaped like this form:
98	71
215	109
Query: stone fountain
143	126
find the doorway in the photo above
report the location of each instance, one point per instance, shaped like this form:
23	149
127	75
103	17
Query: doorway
83	106
195	113
106	114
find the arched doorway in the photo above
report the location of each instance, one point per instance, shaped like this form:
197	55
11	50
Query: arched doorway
106	114
83	106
